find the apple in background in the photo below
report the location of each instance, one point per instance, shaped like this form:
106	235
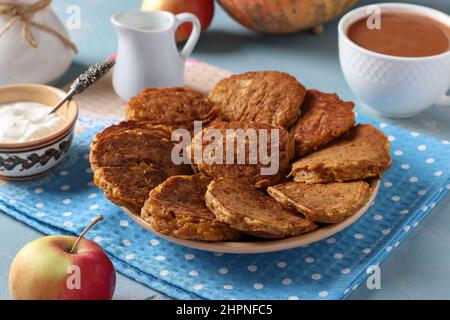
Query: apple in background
203	9
62	268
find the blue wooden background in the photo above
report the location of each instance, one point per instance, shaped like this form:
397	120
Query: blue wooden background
419	268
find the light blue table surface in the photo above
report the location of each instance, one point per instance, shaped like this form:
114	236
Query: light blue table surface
418	269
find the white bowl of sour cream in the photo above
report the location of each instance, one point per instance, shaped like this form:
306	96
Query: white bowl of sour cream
31	141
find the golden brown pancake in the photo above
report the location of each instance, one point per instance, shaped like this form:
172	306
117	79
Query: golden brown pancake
361	154
130	159
327	203
324	118
266	96
177	208
218	165
251	211
172	107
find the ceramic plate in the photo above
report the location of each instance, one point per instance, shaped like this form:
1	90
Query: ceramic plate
269	245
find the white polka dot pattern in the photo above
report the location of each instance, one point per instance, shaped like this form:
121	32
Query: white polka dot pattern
258	286
316	276
66	201
252	268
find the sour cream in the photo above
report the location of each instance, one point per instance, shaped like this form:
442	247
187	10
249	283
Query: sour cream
27	121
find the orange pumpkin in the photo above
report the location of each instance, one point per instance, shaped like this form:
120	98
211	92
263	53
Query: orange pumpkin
285	16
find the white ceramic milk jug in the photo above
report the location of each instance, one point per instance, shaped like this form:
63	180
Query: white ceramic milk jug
147	54
20	61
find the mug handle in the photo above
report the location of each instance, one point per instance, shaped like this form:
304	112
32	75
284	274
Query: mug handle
444	101
195	34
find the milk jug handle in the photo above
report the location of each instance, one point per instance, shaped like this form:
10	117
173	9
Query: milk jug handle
195	34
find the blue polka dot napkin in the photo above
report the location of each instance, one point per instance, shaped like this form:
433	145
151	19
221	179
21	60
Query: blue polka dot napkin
66	200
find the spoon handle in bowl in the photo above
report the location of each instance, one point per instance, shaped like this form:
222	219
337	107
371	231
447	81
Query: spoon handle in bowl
85	80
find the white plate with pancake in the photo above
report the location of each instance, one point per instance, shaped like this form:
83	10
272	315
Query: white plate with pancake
264	246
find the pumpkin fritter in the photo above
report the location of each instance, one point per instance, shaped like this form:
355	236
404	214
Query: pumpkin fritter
172	107
327	203
324	118
267	96
130	159
251	211
361	154
177	208
216	163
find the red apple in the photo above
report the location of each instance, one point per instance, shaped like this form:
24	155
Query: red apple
54	268
203	9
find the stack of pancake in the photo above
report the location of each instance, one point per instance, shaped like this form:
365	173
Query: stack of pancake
324	160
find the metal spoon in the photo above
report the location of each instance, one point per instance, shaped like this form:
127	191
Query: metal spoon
85	80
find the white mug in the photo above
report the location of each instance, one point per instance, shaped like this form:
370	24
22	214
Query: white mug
147	53
395	87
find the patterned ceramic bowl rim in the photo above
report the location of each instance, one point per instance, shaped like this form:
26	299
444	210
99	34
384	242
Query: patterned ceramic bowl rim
42	94
365	11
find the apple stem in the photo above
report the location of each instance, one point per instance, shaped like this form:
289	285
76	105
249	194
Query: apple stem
93	223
